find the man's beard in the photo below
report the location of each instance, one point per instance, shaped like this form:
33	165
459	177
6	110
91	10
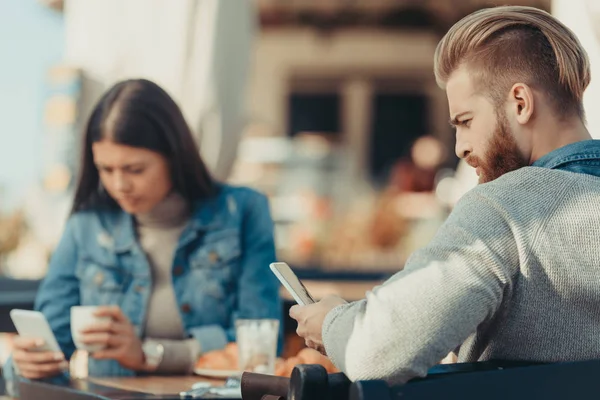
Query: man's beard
502	156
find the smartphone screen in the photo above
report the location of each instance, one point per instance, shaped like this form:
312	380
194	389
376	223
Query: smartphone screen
290	281
33	324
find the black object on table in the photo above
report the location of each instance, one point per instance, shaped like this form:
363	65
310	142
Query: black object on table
308	382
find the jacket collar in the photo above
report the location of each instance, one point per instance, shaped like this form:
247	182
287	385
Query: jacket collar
206	215
584	150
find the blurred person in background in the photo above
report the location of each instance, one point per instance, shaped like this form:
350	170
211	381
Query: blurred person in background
513	272
417	173
170	255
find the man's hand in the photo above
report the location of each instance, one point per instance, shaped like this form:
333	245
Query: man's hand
118	334
310	320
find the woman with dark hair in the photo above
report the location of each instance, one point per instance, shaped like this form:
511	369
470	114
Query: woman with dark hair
172	257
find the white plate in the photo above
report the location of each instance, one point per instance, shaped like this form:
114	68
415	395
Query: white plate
217	373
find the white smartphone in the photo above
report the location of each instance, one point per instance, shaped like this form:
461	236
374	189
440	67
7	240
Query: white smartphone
33	324
290	281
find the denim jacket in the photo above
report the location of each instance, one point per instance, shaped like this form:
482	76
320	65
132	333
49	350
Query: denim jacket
220	272
580	157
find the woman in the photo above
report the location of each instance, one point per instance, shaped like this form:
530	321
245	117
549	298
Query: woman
172	256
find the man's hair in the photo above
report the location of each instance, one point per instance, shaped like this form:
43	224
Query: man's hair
505	45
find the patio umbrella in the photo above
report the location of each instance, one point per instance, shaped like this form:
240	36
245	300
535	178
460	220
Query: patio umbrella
198	50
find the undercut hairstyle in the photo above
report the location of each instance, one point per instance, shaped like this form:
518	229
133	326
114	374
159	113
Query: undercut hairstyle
502	46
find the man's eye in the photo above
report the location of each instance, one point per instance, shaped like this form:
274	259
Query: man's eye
466	123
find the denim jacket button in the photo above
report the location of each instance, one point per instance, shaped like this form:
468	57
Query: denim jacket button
213	257
186	308
140	288
99	278
178	270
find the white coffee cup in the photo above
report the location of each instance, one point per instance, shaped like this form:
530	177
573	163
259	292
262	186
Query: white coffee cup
81	318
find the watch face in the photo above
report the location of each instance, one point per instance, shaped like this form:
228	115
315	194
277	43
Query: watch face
153	353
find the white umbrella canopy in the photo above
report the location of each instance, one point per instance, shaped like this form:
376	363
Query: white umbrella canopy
224	30
198	50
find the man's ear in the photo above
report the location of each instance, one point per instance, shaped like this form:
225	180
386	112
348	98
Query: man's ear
521	102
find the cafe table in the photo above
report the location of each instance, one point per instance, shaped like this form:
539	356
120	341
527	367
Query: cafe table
137	388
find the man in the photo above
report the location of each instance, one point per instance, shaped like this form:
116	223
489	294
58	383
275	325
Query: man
514	273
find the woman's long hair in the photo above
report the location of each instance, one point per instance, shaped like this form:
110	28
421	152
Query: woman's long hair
139	113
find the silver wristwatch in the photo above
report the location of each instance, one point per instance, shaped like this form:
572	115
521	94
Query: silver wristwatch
153	353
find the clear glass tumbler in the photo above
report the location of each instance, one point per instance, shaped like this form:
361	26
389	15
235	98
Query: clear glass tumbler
257	344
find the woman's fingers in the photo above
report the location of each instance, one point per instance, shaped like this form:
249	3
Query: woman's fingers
37	357
37	365
111	311
111	326
22	343
38	371
108	354
104	338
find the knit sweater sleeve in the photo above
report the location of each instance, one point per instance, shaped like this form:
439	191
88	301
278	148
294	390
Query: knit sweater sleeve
446	290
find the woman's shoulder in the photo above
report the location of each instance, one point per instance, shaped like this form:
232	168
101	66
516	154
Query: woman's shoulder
240	193
95	219
230	204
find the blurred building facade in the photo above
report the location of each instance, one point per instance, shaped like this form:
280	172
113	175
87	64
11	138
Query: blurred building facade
352	83
328	106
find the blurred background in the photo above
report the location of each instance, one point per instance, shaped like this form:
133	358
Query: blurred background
330	107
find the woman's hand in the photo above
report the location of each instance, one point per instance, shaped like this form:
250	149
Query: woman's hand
119	337
32	364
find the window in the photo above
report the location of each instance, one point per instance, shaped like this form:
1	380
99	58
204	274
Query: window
314	112
397	121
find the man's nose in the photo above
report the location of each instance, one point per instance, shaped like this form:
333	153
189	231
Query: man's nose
462	148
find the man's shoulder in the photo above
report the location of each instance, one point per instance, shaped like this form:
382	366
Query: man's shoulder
529	192
529	182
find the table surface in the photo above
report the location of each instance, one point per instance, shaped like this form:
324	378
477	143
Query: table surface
166	385
157	385
153	385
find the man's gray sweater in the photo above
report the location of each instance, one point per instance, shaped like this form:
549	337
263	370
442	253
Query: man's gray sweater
514	274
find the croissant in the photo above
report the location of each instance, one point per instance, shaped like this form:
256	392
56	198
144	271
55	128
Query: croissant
227	359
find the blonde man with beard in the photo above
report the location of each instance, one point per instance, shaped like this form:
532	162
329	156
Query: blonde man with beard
514	271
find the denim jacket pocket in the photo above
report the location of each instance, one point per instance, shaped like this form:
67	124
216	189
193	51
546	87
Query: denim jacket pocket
218	255
101	283
212	273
